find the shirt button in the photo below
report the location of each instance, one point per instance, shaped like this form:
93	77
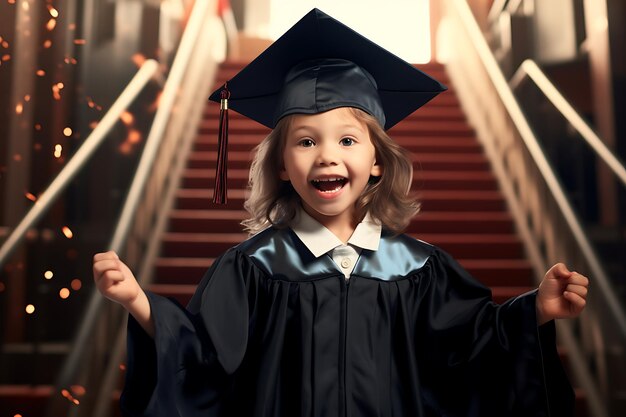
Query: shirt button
345	263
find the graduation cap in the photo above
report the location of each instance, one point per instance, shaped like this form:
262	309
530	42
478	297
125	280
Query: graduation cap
318	65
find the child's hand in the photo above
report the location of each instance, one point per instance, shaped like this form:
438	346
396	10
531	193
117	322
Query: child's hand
114	280
562	294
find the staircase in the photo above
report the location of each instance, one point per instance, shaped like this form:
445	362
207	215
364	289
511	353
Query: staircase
463	210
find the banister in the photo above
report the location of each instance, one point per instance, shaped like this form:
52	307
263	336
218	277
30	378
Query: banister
529	69
600	278
80	158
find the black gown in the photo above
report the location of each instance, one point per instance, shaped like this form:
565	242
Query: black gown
274	331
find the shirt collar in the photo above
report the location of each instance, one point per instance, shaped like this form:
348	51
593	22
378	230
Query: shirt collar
319	240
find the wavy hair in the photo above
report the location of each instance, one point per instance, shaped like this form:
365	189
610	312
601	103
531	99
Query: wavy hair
274	202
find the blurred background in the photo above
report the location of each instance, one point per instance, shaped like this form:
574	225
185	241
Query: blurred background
107	142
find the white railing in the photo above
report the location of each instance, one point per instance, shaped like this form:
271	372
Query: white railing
546	221
99	346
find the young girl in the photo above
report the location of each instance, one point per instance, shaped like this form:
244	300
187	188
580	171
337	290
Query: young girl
328	310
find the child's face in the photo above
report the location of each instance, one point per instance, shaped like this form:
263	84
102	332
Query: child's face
329	158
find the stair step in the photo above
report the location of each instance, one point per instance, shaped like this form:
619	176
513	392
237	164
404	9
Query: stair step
498	246
423	161
431	200
425	113
213	221
183	292
465	180
418	145
491	272
25	400
415	128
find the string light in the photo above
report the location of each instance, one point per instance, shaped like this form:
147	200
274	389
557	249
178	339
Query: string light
30	309
48	274
64	293
76	284
31	196
67	131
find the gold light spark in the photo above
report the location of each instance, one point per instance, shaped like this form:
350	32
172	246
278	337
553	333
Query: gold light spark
52	23
71	26
134	136
127	118
78	390
31	196
47	43
138	59
56	90
68	60
17	157
76	284
58	149
79	41
41	73
19	108
64	293
53	12
67	232
48	274
6	57
93	124
67	131
125	148
37	126
30	309
25	5
69	396
5	44
27	98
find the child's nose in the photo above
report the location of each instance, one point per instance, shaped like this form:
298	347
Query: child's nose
327	155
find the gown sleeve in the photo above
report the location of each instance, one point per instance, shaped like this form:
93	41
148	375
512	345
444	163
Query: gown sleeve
186	370
491	359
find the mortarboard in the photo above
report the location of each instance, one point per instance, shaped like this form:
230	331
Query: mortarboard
318	65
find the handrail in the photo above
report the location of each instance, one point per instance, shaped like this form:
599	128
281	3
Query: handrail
530	69
189	68
600	278
517	164
80	158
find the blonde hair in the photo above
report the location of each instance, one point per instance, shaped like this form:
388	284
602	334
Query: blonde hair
273	201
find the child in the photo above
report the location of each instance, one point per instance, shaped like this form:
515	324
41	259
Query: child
328	310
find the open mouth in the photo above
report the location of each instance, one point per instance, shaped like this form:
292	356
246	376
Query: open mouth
329	185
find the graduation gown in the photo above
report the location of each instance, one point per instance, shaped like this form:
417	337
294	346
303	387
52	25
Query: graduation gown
274	331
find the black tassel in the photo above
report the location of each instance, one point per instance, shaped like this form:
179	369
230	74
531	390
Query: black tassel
221	179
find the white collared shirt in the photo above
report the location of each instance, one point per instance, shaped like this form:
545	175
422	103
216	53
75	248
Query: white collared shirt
319	240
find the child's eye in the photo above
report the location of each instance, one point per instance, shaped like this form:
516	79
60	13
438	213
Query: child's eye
347	141
306	143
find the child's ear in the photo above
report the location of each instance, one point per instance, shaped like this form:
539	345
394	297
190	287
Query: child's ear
377	170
